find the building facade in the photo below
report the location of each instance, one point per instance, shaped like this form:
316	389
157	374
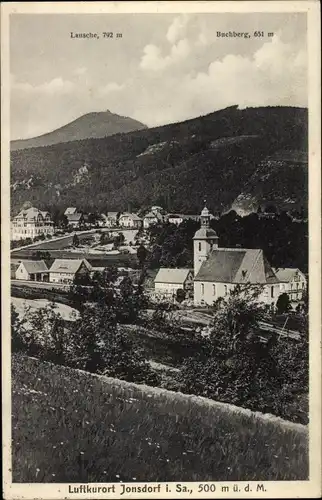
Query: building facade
168	281
217	271
32	270
65	270
31	223
293	282
130	221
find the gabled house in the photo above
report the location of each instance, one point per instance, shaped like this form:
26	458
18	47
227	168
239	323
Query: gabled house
112	219
152	218
176	219
32	270
65	270
76	220
168	280
103	220
217	270
70	211
292	281
131	221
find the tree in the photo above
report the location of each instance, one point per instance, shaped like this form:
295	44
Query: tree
103	347
180	295
283	304
18	341
232	364
118	240
75	240
141	255
41	255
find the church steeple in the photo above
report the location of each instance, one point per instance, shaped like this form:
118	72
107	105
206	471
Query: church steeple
205	217
205	240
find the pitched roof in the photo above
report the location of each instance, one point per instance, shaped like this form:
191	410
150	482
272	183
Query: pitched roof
112	214
168	275
132	216
29	213
34	266
205	233
236	265
70	210
150	215
74	217
68	265
286	274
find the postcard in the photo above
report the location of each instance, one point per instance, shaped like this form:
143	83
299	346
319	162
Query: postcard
161	249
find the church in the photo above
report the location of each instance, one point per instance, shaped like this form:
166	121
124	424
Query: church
218	270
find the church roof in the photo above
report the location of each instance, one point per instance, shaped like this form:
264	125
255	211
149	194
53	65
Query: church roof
236	265
205	233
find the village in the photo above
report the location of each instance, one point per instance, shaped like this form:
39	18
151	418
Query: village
216	270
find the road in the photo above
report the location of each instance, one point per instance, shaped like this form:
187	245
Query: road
62	242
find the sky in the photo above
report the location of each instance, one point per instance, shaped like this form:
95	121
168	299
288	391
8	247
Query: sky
165	68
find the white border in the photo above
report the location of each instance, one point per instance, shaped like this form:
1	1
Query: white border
280	489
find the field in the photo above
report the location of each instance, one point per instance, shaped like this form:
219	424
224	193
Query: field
70	426
22	305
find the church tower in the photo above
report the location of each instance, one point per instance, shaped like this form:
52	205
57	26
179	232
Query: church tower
204	241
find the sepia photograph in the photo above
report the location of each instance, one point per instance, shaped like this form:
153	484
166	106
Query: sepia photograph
161	313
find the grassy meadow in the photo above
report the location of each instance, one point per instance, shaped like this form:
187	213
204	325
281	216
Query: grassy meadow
71	426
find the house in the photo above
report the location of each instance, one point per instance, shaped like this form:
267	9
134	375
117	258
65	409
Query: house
30	223
76	220
157	210
176	219
32	270
65	270
131	221
168	281
217	270
70	211
103	220
292	281
112	219
151	218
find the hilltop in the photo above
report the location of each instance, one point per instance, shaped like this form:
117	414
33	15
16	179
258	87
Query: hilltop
236	158
72	426
89	126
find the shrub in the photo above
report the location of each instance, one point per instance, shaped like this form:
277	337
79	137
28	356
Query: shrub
283	303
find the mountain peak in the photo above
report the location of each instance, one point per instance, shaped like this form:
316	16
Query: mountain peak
93	125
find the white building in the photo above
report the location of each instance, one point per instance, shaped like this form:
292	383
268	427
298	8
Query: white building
30	223
169	280
130	221
292	281
152	218
32	270
176	219
112	219
65	270
217	270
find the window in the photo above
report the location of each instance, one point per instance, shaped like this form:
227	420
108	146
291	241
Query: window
214	290
199	246
226	289
202	289
272	292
